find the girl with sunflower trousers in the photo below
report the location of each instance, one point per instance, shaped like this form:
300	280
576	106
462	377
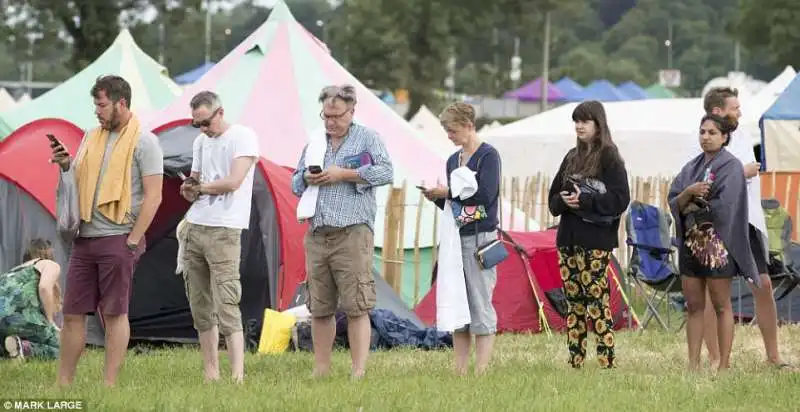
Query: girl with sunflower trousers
589	193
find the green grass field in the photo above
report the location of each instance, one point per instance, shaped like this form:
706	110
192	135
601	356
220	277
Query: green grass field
529	373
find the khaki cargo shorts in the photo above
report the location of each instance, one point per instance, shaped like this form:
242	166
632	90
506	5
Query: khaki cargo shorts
211	276
339	268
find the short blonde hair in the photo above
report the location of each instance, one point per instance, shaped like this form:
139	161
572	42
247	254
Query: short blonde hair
458	112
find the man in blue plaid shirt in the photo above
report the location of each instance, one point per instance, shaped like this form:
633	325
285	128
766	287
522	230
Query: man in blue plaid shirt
340	242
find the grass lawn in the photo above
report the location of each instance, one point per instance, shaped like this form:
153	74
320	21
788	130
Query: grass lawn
529	373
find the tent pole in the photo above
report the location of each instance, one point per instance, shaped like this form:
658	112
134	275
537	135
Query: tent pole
208	31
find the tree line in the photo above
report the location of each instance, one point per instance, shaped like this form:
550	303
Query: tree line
393	44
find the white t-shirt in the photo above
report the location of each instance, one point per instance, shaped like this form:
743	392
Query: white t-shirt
213	158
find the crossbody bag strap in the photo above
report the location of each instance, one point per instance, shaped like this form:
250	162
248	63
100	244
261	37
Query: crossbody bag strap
496	199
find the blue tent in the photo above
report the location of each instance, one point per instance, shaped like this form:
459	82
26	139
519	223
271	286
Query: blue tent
777	139
601	90
195	74
633	90
568	87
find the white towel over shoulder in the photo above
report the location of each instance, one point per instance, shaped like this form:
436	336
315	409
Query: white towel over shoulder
452	307
315	156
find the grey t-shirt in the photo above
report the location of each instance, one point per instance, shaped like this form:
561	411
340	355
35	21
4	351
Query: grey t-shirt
148	159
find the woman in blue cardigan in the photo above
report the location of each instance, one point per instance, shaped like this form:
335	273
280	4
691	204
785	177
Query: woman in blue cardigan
458	120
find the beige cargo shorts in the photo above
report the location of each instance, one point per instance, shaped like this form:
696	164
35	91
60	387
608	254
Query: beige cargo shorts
339	270
211	276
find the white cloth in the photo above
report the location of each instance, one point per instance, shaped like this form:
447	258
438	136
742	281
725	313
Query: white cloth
741	147
452	307
301	313
180	234
462	181
315	156
213	158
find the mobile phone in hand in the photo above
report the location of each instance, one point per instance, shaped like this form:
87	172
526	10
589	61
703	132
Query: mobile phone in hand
53	141
315	169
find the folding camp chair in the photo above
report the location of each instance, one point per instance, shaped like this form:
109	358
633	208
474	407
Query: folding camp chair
782	268
652	258
779	231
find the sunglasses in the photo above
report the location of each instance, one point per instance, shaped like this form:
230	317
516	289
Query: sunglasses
206	122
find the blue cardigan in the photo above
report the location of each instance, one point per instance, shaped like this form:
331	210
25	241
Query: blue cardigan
488	194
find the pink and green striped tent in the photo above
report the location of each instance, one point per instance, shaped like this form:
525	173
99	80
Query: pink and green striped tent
271	81
152	89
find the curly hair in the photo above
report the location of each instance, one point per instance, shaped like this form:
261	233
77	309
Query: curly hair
459	113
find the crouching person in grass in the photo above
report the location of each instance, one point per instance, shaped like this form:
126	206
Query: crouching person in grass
336	179
221	189
29	299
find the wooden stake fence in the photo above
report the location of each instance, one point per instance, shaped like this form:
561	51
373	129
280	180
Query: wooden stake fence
529	197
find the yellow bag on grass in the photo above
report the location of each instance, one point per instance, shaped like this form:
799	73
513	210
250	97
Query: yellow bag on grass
276	331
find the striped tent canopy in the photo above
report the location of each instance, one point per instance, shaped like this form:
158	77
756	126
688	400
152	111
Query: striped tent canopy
152	89
271	81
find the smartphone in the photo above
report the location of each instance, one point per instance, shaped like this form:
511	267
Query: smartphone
315	169
53	141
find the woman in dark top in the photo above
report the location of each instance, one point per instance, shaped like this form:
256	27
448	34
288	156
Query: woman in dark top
477	218
708	200
590	192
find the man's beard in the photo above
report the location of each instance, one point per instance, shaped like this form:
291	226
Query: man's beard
113	122
732	120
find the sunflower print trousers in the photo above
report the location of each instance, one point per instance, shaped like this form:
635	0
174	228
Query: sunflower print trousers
583	272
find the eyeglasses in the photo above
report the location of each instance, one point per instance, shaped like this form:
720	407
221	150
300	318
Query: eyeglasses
339	116
207	122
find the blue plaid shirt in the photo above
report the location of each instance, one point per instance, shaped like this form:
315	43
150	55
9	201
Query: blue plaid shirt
344	204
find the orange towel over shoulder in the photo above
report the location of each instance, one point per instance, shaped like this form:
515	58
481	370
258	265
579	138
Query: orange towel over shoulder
114	196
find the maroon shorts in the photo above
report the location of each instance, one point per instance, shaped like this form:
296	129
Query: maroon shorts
100	275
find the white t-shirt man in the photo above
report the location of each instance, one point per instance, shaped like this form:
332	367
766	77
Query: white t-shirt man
212	159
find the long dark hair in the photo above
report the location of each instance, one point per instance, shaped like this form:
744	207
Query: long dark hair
586	159
725	125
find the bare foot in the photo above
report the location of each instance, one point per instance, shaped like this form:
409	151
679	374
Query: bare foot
783	366
461	371
320	373
357	375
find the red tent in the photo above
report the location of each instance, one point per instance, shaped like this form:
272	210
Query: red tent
272	260
528	285
273	263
